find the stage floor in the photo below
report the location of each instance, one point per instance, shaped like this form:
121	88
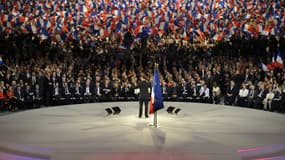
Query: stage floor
85	132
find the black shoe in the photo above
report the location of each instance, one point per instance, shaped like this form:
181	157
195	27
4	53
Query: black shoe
146	116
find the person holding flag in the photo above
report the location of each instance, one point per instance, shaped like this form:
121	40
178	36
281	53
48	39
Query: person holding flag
144	94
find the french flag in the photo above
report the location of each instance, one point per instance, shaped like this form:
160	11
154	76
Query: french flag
1	61
156	101
264	67
279	61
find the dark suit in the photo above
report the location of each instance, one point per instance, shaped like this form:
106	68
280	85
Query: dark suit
38	97
20	96
261	94
144	96
48	90
229	100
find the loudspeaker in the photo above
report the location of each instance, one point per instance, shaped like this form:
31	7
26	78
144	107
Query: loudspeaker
116	110
177	110
109	111
170	109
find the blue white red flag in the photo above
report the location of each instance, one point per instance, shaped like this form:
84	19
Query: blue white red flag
156	100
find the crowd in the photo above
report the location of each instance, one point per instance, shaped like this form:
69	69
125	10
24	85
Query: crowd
87	21
35	74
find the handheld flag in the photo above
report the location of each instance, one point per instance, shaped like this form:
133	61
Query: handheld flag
156	101
279	60
1	61
264	67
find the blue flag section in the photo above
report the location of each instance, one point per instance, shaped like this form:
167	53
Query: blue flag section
1	61
156	100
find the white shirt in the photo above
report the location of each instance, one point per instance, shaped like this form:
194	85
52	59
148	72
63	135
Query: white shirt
87	90
56	91
243	92
217	90
207	93
269	96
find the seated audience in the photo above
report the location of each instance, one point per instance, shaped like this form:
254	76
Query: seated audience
243	96
231	94
216	92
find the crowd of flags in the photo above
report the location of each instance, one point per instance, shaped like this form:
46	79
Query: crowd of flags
277	62
90	20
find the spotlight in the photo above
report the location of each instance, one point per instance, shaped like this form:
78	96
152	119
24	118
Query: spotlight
113	110
116	110
109	111
177	110
172	110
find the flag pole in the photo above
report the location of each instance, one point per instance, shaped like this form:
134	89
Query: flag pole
155	113
155	119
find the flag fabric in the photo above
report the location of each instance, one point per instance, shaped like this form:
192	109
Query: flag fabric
279	61
273	62
1	61
264	67
62	19
156	100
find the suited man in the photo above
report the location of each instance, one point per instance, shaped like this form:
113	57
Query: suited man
38	97
261	94
20	96
193	90
66	91
144	95
247	76
231	93
183	89
57	92
106	88
48	88
29	96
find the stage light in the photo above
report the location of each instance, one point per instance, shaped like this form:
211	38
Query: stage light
113	110
116	109
109	111
172	110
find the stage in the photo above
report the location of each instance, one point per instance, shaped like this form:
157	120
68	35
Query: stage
86	132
